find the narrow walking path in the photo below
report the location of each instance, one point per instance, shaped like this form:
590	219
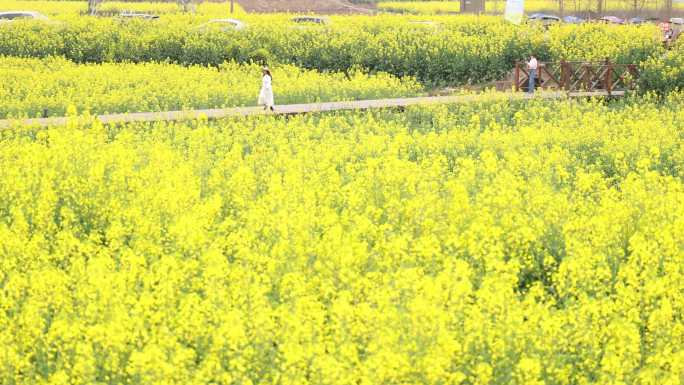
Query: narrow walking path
293	109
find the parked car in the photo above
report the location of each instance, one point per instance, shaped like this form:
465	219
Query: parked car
544	19
223	25
573	20
9	16
677	21
637	20
135	15
612	20
426	23
311	19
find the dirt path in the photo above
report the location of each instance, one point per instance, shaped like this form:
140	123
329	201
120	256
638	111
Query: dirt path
305	6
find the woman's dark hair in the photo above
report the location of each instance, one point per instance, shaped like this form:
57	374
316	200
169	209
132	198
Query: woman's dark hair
268	72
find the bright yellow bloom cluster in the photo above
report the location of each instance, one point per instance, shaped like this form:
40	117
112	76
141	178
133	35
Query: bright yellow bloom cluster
488	243
462	49
31	86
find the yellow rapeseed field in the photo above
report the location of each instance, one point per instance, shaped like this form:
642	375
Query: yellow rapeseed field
33	87
497	242
453	50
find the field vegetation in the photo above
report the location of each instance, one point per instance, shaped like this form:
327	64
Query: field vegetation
454	50
491	243
49	87
497	242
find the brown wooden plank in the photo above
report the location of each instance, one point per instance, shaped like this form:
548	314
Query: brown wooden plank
297	108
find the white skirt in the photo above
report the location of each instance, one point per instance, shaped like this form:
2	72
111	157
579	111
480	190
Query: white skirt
266	97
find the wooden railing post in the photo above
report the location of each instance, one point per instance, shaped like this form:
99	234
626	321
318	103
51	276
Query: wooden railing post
587	77
564	76
540	76
600	76
609	77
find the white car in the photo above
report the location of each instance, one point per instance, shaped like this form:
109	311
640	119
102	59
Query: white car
9	16
311	20
426	23
137	15
544	19
223	25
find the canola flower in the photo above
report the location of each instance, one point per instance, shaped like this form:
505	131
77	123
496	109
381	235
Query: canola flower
496	242
33	86
664	74
454	50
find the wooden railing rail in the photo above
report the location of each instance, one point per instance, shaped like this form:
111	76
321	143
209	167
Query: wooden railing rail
573	76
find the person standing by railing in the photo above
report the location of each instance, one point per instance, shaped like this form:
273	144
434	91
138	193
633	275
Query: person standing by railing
532	66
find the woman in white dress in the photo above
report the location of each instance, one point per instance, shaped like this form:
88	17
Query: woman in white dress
266	93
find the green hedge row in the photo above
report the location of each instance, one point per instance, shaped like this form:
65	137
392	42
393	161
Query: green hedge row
468	50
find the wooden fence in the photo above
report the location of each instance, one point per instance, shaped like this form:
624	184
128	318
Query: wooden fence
579	76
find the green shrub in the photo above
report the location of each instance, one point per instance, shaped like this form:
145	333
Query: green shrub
465	50
665	73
